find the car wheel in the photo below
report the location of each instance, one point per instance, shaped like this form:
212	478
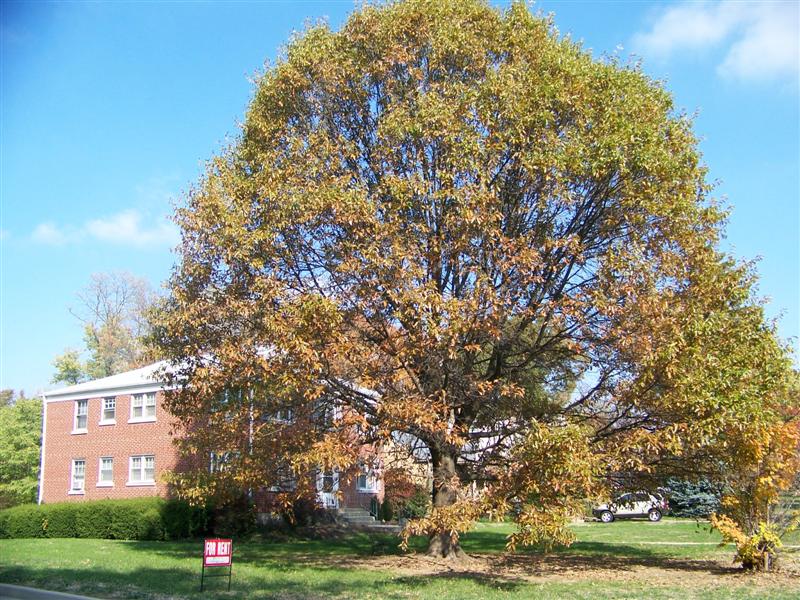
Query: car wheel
607	516
654	515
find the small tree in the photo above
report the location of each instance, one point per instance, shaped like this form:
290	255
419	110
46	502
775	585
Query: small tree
20	442
693	499
69	368
762	500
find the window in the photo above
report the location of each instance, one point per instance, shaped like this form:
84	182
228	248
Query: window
78	476
326	414
285	480
109	410
105	477
283	415
81	414
366	481
143	469
229	403
222	461
143	407
329	481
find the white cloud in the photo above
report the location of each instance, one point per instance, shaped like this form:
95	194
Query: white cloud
50	233
691	25
125	228
769	47
759	39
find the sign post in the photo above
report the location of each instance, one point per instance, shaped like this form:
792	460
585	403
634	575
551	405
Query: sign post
217	553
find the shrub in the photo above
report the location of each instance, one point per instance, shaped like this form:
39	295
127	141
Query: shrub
304	512
387	511
139	519
23	521
182	520
756	552
417	505
149	526
59	523
124	521
91	520
235	518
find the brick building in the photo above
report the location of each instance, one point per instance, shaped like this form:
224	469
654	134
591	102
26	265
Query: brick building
108	438
111	438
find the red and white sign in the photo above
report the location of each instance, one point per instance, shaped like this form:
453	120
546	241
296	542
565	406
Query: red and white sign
217	553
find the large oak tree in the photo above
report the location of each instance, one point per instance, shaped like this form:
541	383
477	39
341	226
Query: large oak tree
479	242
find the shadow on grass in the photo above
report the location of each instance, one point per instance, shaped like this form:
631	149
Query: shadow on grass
260	548
616	561
339	550
159	584
335	580
262	571
347	564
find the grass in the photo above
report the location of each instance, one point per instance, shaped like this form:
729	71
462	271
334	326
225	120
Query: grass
619	560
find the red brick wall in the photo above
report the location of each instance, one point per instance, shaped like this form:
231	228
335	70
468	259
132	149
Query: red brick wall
123	440
351	497
120	441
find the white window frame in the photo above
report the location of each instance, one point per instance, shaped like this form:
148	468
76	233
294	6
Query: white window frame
72	488
141	401
370	481
103	482
221	461
103	409
328	499
282	415
142	458
85	415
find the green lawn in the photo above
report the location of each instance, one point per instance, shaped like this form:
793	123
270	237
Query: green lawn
619	560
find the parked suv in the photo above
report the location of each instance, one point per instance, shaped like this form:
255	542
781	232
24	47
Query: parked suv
629	506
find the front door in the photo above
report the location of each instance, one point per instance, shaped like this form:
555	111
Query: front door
328	488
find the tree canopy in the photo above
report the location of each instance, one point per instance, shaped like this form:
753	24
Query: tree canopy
114	311
477	241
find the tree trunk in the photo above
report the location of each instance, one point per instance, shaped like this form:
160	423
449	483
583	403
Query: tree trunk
441	545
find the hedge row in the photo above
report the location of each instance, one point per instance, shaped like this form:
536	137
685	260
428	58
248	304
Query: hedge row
139	519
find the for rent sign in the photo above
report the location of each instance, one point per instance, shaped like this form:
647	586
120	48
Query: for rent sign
217	553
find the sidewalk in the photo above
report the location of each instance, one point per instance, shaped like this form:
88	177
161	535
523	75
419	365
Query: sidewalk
18	592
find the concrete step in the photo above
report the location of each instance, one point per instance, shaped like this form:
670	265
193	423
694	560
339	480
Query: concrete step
357	516
354	512
376	527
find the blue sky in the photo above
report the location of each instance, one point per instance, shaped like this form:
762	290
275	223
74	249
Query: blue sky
108	112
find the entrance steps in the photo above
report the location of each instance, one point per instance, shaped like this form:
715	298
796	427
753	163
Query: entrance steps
361	519
357	516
